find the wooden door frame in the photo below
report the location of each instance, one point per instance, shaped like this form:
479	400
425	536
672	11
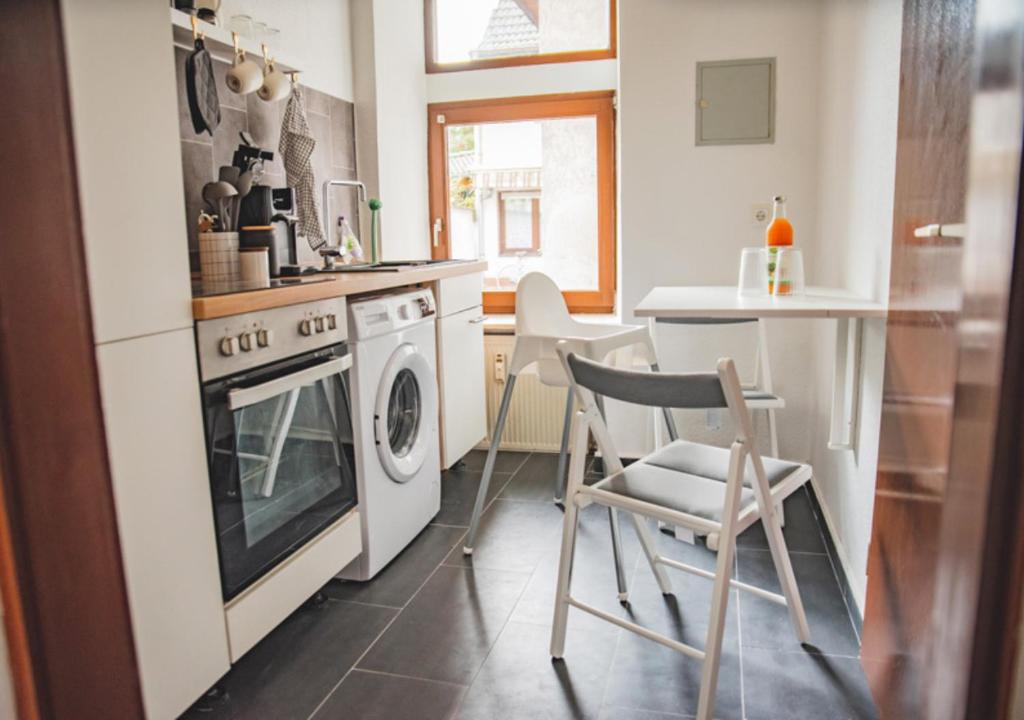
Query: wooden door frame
68	623
599	104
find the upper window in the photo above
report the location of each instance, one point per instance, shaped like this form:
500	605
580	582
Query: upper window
473	34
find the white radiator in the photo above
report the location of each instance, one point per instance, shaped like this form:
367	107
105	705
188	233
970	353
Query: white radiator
535	417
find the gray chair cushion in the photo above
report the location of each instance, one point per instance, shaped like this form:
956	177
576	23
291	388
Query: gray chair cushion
713	462
689	477
678	491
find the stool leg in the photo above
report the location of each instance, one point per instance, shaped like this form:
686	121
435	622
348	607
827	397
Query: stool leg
620	572
773	438
492	453
563	452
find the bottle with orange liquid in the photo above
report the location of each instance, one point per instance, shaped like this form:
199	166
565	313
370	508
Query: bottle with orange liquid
779	234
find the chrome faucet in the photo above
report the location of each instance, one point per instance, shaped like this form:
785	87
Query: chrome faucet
328	227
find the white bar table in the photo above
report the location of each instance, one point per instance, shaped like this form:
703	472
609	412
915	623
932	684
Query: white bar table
724	302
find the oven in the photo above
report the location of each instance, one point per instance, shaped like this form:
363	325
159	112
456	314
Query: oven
278	434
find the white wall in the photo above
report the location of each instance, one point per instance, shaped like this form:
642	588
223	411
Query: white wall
315	33
685	211
857	162
391	122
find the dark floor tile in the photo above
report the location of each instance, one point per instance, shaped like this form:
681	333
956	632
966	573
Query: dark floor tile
688	607
371	696
804	685
593	579
458	493
519	680
448	628
512	536
833	553
396	583
617	713
801	531
535	480
766	624
505	462
649	676
294	668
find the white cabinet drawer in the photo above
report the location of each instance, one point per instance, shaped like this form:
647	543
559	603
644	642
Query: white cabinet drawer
463	395
460	293
262	607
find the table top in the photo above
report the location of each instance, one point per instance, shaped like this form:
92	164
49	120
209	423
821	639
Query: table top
723	301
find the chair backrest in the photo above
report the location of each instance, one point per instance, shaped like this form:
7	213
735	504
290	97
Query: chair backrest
655	389
541	308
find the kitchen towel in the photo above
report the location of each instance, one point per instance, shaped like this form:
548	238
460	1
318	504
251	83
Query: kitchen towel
296	147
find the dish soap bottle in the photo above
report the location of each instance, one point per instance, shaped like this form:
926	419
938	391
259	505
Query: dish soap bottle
779	234
348	243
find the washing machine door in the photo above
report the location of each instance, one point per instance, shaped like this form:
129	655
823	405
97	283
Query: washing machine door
406	411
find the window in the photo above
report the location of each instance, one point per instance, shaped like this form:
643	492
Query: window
528	184
473	34
518	223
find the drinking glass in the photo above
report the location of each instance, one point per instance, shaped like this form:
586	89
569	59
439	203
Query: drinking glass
789	272
753	271
241	24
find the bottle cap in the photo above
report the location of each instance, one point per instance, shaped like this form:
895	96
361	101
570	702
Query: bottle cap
779	198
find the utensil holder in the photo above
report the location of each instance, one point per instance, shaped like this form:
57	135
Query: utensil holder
218	257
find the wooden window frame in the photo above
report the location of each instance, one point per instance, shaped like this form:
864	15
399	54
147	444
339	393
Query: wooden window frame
430	46
534	248
597	104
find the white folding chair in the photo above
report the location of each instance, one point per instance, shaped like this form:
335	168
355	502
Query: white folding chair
542	321
701	487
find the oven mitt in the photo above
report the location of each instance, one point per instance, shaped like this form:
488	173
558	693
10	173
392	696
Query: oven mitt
203	105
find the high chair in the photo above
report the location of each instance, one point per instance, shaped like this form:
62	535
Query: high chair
707	489
542	320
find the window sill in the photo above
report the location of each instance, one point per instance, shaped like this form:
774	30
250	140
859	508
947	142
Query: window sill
506	324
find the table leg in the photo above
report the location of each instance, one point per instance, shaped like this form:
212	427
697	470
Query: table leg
846	385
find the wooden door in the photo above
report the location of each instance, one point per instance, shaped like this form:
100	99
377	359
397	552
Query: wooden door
938	433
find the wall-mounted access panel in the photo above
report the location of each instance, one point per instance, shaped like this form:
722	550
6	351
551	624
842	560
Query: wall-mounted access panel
736	102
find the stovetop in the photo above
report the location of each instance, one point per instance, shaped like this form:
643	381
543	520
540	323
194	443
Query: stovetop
200	289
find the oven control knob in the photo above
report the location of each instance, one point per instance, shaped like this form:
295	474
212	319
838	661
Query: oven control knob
306	327
229	346
320	324
264	337
332	321
247	341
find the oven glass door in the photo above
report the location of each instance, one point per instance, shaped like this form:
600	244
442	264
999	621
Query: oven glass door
282	463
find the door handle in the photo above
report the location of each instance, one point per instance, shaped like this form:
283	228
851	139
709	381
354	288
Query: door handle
239	398
478	320
438	226
952	230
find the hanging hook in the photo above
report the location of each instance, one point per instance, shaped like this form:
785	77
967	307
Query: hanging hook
234	41
266	53
196	35
294	75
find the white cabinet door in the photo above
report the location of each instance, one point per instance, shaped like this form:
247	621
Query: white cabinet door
124	113
460	349
150	392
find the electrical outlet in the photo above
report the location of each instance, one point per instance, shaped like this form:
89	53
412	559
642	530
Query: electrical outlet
760	213
713	419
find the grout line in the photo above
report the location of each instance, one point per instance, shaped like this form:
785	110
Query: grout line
618	637
367	604
372	644
832	564
410	677
197	142
454	527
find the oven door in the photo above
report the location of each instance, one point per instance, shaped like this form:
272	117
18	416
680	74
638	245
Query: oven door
282	462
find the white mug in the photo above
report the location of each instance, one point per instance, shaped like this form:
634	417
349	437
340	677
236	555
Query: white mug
276	84
244	76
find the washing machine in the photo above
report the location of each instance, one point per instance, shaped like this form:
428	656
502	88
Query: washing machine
395	419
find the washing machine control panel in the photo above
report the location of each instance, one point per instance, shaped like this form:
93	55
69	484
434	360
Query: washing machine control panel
387	313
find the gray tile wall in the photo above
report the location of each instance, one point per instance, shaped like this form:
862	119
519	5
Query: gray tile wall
331	120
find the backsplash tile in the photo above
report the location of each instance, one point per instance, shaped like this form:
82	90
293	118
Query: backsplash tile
331	121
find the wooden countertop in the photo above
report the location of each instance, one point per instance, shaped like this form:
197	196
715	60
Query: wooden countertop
340	284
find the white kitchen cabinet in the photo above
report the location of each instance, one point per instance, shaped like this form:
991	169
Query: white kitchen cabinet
460	349
124	110
150	392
